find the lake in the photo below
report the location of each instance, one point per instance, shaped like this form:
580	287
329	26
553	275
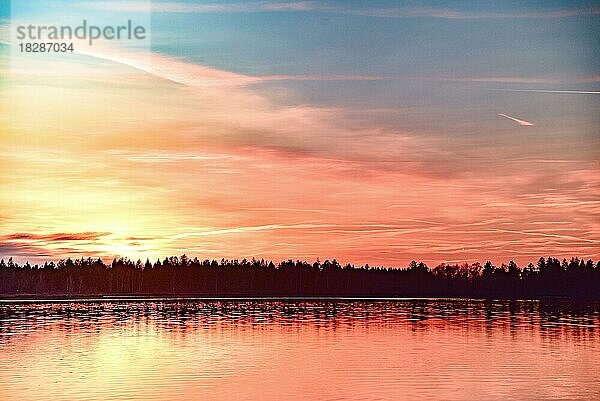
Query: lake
302	349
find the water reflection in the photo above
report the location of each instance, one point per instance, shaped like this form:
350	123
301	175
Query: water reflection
299	350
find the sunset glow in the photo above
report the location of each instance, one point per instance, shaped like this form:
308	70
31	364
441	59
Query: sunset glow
107	152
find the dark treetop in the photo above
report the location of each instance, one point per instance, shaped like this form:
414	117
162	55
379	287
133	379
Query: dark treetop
193	277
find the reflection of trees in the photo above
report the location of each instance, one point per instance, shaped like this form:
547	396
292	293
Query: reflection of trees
185	276
550	319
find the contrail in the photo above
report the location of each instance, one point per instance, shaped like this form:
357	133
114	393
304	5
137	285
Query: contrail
572	92
520	122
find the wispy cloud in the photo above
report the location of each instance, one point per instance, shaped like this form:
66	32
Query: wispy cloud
175	7
445	13
445	78
306	6
169	68
58	237
190	74
36	247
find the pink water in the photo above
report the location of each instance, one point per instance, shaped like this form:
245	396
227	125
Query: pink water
299	350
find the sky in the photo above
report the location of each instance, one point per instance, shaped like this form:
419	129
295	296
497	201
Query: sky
372	132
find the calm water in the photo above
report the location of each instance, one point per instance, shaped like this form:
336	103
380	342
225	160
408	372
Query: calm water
299	350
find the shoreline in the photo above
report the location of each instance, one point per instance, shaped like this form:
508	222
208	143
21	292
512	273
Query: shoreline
92	298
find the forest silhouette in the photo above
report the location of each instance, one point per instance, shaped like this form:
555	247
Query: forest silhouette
182	276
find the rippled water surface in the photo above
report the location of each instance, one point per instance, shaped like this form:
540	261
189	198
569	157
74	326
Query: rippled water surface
298	350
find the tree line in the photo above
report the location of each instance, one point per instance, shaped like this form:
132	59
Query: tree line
183	276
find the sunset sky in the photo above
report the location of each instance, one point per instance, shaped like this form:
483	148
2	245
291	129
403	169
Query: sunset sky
372	132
